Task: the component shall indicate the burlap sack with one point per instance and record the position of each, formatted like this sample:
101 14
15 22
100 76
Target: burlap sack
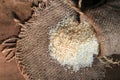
33 57
105 19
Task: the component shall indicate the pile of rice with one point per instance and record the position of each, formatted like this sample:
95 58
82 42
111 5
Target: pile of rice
73 44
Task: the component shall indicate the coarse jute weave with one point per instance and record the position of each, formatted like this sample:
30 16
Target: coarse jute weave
105 19
33 56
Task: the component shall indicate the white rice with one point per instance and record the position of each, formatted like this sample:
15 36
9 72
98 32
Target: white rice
73 44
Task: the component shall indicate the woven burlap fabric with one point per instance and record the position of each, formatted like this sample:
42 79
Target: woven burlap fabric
33 57
105 19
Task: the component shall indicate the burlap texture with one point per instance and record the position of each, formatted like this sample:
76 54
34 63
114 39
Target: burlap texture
33 57
105 19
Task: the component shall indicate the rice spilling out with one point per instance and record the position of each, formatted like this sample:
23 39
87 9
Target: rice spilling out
73 44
